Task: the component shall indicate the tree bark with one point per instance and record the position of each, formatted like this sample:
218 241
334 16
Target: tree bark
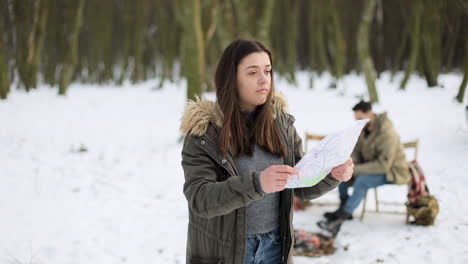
36 43
365 59
462 88
431 41
265 21
336 43
4 81
415 31
71 59
195 56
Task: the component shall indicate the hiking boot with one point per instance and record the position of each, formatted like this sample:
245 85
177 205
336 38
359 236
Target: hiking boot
333 226
330 216
330 228
334 215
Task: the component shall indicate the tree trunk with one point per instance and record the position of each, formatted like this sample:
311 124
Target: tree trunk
365 59
108 56
337 43
127 41
240 12
71 58
37 43
415 31
431 41
378 39
22 14
452 30
265 21
395 35
4 82
284 44
461 90
140 28
317 46
51 48
195 56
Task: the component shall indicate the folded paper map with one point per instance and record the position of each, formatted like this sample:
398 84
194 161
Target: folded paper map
330 152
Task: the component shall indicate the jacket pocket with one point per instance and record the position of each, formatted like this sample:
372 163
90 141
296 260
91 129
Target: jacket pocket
198 260
221 174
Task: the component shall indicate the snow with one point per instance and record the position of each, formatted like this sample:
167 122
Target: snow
95 177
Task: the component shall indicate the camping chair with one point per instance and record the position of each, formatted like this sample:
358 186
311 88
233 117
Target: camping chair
407 145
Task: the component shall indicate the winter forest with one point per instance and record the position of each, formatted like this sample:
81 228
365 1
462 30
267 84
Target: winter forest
58 42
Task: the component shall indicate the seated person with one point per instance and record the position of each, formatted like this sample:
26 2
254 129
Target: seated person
379 159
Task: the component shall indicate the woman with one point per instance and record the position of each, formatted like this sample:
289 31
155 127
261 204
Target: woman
237 157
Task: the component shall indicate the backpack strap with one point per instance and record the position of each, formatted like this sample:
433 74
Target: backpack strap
418 187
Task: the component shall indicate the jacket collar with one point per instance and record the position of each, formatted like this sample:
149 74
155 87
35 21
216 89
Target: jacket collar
200 113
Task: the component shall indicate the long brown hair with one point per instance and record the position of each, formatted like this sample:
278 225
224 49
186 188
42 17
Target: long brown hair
235 136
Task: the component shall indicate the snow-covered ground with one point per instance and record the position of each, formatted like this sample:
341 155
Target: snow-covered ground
95 177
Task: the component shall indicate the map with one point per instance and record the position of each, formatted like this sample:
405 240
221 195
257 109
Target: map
330 152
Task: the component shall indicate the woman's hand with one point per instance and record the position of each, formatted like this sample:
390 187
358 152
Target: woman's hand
275 177
344 172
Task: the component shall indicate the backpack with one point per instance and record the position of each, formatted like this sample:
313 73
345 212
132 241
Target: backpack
422 208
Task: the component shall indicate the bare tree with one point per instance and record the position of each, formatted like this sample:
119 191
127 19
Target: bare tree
71 59
365 59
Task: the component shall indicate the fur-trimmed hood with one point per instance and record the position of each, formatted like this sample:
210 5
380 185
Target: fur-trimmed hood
200 113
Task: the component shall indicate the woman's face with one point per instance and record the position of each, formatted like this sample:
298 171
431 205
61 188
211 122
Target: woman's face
254 80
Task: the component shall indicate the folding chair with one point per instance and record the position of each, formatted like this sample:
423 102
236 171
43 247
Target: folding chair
407 145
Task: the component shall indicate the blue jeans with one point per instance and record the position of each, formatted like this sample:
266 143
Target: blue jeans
361 184
263 248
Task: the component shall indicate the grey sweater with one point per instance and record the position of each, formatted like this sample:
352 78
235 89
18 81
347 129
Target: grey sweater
263 214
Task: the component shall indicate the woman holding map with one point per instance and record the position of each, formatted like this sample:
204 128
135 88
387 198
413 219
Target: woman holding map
238 155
